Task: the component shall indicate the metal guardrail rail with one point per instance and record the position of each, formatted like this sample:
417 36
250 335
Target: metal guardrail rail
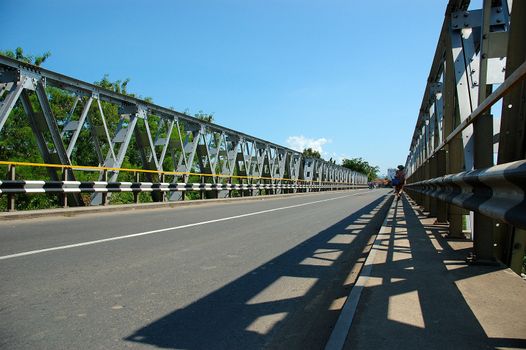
171 144
104 186
497 192
63 188
466 155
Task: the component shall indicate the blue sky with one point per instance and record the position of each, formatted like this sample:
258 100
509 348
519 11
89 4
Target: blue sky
346 77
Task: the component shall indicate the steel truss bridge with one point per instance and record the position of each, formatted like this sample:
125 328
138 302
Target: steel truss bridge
272 274
174 148
468 148
467 154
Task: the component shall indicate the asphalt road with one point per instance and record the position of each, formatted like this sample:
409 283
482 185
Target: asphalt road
252 274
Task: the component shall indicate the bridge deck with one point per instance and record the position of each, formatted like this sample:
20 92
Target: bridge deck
420 293
248 274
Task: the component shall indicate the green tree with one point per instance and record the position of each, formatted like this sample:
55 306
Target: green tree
362 166
311 153
19 55
118 86
18 143
207 117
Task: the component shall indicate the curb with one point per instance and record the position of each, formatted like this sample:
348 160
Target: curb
74 211
343 324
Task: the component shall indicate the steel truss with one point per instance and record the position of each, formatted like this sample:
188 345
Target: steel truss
480 58
167 141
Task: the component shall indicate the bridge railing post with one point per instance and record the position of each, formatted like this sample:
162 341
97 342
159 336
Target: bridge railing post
202 190
11 175
64 195
105 194
433 202
442 208
137 177
163 194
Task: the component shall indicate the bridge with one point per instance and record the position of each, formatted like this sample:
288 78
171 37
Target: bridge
175 232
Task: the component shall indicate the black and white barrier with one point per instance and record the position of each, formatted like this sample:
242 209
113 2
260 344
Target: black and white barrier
18 186
497 192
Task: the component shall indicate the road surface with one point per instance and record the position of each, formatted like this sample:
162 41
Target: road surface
252 274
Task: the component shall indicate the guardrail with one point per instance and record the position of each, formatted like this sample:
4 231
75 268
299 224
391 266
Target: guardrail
497 192
103 186
262 185
461 132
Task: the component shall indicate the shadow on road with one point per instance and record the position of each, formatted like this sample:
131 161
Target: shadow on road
254 312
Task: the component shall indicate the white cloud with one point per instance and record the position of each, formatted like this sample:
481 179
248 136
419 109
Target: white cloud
299 143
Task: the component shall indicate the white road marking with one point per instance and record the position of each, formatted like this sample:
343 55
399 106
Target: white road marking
69 246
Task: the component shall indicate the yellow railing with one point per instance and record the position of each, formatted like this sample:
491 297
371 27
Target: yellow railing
159 172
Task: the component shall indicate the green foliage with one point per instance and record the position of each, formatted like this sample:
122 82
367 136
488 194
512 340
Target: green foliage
207 117
310 153
362 166
19 55
18 143
118 86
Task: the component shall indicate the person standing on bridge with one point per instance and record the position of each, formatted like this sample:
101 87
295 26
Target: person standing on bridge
399 181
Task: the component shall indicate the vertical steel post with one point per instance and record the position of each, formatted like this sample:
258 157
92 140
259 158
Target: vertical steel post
426 175
11 175
433 202
441 160
163 194
483 226
419 198
421 171
512 141
483 145
64 194
455 213
136 198
105 194
454 149
202 191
